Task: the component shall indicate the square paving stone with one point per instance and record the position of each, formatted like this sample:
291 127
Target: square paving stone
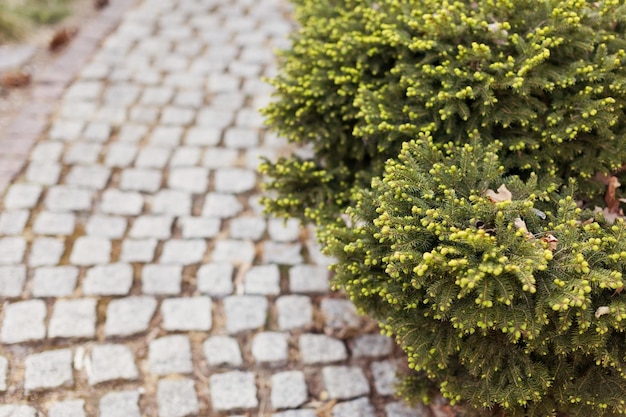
177 398
120 155
187 314
82 153
68 198
138 250
345 382
158 227
12 250
45 251
172 202
199 227
12 280
141 179
94 177
22 196
360 407
216 119
4 372
192 179
13 222
161 279
111 227
122 403
221 206
49 223
233 251
121 203
215 279
110 363
289 389
384 373
222 350
262 279
47 151
70 408
89 250
320 348
371 345
238 137
49 369
17 411
185 157
183 251
128 316
170 355
73 318
294 311
233 390
23 321
166 136
339 313
110 279
220 157
203 136
132 133
245 312
247 228
44 173
309 279
59 281
270 348
281 231
234 180
282 253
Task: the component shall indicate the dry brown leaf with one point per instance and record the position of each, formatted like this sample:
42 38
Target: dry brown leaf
62 37
612 204
14 79
551 241
100 4
601 311
521 225
503 194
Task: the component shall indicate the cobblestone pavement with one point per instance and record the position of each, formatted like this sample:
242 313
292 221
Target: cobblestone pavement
138 275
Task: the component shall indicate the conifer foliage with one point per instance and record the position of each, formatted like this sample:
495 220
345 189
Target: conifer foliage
505 299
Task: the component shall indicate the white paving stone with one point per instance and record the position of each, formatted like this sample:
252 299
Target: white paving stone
183 251
309 279
121 403
215 279
49 369
73 318
270 348
200 227
170 355
4 372
45 251
138 250
221 205
17 411
49 223
247 312
187 314
294 311
91 251
110 279
222 350
69 408
345 382
110 363
158 227
177 398
12 250
320 348
233 251
22 196
128 316
233 390
12 279
13 222
161 279
23 321
289 389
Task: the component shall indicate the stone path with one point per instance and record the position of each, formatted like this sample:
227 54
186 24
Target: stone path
138 275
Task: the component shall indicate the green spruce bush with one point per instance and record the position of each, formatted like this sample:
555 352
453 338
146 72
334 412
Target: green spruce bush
546 78
507 302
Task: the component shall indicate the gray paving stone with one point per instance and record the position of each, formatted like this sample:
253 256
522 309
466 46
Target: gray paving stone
296 413
121 403
128 316
120 155
319 348
172 202
138 250
183 251
82 153
215 279
132 133
228 101
122 94
216 118
262 279
69 408
192 179
45 251
12 250
178 116
22 196
44 173
13 222
111 114
110 279
141 179
193 99
67 198
309 279
246 312
73 318
95 176
166 136
97 132
371 345
233 251
177 398
289 389
199 227
49 223
47 151
90 250
282 253
360 407
58 281
4 372
110 363
345 382
187 314
49 369
270 348
250 118
222 350
17 411
121 203
161 279
247 228
233 390
111 227
66 130
153 157
186 156
221 206
223 83
284 231
158 227
294 311
398 409
384 373
339 313
12 279
170 355
157 95
234 180
203 136
23 321
238 137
